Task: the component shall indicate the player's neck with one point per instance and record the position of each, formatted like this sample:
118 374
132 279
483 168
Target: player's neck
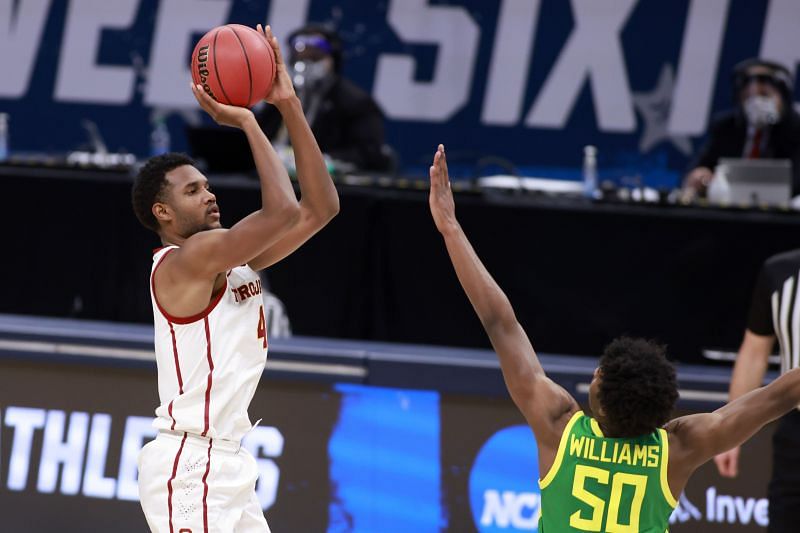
171 240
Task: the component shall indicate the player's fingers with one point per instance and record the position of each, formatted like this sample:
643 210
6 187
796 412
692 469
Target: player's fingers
202 96
273 42
206 102
437 168
443 162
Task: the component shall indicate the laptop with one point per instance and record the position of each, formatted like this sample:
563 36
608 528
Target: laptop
758 182
221 150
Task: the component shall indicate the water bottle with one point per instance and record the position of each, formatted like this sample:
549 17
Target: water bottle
590 171
159 138
719 190
3 136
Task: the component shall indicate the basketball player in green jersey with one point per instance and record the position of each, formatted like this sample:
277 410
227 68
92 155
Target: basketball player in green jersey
621 470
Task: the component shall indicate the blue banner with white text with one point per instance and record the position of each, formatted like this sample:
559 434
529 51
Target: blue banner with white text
515 83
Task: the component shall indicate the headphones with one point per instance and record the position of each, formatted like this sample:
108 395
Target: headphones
779 77
331 41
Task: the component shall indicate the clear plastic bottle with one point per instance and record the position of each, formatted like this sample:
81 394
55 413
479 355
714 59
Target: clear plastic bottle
590 171
159 138
3 136
719 190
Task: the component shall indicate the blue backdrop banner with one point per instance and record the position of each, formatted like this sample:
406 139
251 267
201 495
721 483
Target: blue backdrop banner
527 81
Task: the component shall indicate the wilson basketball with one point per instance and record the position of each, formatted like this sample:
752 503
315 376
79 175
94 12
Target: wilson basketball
234 64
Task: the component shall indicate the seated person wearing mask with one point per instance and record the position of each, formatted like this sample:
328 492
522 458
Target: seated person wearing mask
346 121
763 125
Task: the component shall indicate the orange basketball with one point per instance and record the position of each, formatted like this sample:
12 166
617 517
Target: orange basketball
234 64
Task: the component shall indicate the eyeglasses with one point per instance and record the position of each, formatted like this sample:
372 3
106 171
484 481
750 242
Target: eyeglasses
302 42
760 78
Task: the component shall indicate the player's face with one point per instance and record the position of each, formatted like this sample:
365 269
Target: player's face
190 197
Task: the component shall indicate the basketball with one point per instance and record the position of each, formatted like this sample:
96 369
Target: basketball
234 64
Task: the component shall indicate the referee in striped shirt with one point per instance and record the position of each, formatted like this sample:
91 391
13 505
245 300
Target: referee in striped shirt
774 313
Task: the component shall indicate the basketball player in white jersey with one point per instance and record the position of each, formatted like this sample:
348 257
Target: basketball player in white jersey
210 333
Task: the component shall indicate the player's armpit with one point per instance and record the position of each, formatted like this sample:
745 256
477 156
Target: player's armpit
542 402
547 409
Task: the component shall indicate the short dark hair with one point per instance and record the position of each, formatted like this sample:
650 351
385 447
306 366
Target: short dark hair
149 185
638 387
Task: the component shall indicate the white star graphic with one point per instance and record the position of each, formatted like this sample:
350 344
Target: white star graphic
654 109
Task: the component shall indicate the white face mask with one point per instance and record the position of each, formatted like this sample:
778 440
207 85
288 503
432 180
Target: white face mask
761 111
309 74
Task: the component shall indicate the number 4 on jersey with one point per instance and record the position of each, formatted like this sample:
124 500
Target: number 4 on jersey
262 326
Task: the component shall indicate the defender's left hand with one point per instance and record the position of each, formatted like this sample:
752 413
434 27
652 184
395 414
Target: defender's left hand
441 201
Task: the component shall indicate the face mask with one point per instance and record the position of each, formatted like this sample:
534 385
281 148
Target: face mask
309 75
761 111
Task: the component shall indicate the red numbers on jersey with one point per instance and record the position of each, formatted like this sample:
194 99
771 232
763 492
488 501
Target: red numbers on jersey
262 326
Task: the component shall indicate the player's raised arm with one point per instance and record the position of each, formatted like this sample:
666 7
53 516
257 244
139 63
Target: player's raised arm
700 437
210 252
543 403
748 374
319 201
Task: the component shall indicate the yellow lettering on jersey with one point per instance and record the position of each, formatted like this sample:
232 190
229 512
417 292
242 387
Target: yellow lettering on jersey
603 457
576 445
639 455
592 455
652 456
625 454
616 452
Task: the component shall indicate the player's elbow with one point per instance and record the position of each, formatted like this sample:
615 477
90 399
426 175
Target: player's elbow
333 207
290 214
498 322
319 215
328 210
287 214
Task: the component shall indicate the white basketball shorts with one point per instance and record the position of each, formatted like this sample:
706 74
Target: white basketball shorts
191 484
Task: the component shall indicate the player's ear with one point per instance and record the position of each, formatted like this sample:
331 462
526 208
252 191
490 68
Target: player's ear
162 212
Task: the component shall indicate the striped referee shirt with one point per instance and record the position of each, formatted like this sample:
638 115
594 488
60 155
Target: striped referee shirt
775 309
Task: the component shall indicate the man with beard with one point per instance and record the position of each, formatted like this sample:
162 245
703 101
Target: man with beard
210 331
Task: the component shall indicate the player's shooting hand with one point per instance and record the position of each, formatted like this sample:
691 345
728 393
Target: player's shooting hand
282 87
441 202
223 114
728 463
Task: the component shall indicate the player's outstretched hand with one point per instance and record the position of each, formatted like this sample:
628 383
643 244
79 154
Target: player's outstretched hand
223 114
728 463
282 88
441 202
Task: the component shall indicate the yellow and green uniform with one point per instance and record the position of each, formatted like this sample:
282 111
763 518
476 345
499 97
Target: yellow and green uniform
598 483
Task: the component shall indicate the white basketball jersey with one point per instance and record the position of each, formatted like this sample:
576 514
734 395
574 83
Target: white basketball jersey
209 364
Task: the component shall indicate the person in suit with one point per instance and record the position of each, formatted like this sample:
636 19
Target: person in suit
346 120
763 124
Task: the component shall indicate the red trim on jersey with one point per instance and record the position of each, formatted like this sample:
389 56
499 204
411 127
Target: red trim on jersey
205 488
169 410
210 372
177 361
169 483
215 298
177 371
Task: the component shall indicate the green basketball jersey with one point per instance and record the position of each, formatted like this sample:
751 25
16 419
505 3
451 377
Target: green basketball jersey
603 484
